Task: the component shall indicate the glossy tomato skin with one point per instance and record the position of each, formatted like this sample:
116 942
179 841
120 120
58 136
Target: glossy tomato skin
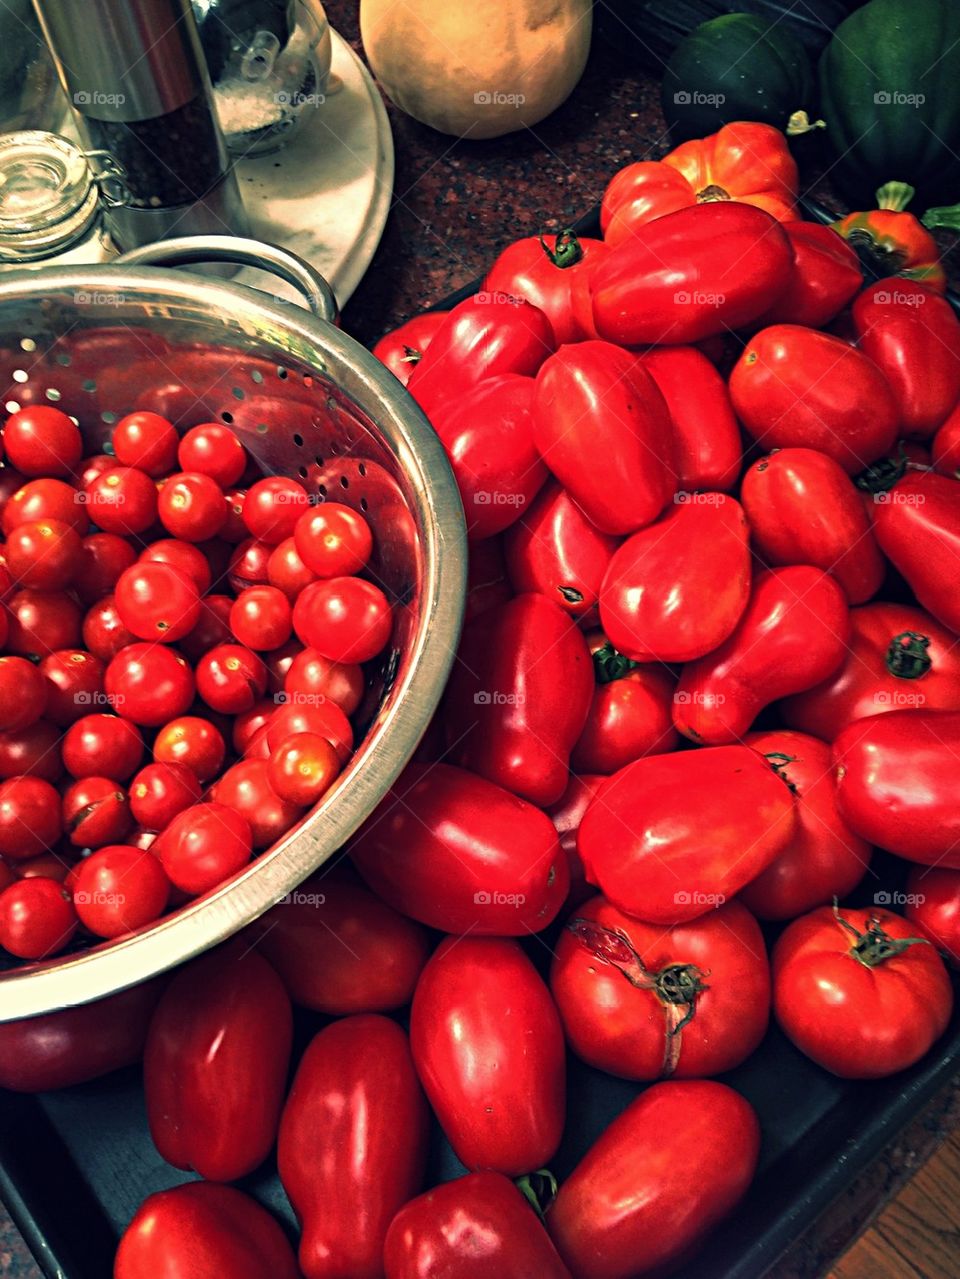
203 1231
341 950
402 349
946 446
803 508
824 859
353 1144
898 657
642 1002
713 819
554 549
792 635
632 1206
518 697
846 411
566 815
676 590
487 582
630 714
488 1047
58 1050
896 784
484 336
705 430
471 1228
552 272
913 335
215 1064
866 1018
458 853
594 400
933 903
826 275
488 435
731 262
917 524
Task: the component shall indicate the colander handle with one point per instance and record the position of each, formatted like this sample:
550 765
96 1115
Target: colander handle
316 292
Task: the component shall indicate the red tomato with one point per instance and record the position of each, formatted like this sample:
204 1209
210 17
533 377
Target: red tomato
272 508
96 812
157 602
353 1144
705 431
203 1231
37 919
339 949
792 636
245 787
261 618
461 854
311 675
203 846
488 435
122 500
333 540
40 440
249 565
103 557
402 349
41 622
287 571
230 678
214 450
310 715
630 714
846 410
103 632
103 745
30 820
677 589
188 559
160 791
803 508
302 769
191 506
33 751
488 1047
946 446
824 859
869 1018
477 1226
667 1170
727 264
147 441
74 681
553 273
215 1064
518 697
566 815
23 693
346 619
896 786
45 500
554 549
917 524
191 741
149 684
933 902
595 401
712 820
644 1003
44 555
826 275
119 889
486 576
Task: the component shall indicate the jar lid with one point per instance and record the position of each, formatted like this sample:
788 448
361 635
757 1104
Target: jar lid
48 195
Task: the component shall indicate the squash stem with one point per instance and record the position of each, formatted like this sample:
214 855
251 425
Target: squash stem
800 123
895 196
948 216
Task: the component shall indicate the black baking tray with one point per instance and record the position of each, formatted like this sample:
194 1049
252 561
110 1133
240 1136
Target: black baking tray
76 1164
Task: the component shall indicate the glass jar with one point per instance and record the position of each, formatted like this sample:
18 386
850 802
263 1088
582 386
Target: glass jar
51 202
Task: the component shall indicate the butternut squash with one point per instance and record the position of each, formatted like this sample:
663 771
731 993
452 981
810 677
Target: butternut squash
477 68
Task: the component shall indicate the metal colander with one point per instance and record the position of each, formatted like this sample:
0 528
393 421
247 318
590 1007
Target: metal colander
307 401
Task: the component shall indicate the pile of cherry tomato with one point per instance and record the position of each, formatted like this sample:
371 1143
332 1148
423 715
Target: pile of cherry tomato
710 663
182 640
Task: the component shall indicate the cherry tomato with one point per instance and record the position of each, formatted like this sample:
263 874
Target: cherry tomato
23 693
103 633
149 684
933 902
30 821
103 557
234 529
41 622
122 500
249 565
311 676
96 811
864 1019
32 751
203 846
44 555
157 602
193 742
630 714
272 508
191 506
287 571
214 450
36 918
160 791
302 768
230 678
346 619
245 787
333 540
147 441
119 889
102 744
642 1002
40 440
261 618
45 500
185 557
212 628
321 717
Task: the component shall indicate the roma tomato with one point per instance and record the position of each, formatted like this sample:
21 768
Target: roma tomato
792 636
896 784
705 431
458 853
553 273
488 1047
642 1002
594 401
518 697
203 1231
933 902
869 1018
728 262
339 949
677 589
484 336
917 524
470 1228
666 1171
353 1144
630 714
946 446
795 387
803 508
897 657
486 577
826 275
215 1065
824 859
554 549
712 820
488 435
402 349
913 336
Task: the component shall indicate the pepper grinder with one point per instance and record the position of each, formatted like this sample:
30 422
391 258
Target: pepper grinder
134 72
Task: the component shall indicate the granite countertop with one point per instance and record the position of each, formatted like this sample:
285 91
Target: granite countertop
456 204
